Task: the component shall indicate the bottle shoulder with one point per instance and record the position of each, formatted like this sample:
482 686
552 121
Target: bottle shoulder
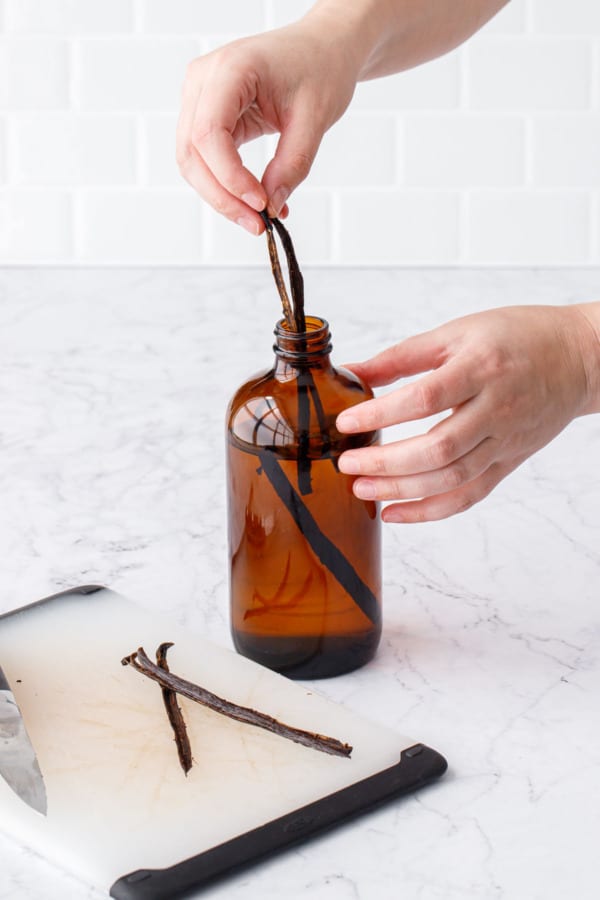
280 406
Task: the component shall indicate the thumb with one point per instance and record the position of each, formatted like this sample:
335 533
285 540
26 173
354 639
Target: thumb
294 156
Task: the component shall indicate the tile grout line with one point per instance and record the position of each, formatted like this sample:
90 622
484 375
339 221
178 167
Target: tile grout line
595 75
268 14
336 230
138 17
141 167
528 152
464 229
11 148
529 18
464 82
594 212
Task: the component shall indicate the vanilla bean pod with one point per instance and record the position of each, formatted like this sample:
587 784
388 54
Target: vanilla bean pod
297 289
296 279
174 714
298 324
277 273
140 662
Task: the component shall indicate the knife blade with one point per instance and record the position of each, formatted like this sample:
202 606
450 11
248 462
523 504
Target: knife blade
18 763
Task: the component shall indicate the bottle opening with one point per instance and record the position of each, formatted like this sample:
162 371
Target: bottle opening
299 345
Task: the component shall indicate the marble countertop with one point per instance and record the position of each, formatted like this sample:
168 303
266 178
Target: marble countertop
113 386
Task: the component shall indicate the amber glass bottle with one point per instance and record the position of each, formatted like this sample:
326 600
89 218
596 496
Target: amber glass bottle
305 557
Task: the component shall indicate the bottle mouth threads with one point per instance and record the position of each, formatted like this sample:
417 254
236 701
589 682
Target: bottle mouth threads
303 345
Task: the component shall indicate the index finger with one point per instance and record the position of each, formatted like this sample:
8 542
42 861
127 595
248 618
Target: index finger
415 354
447 387
217 113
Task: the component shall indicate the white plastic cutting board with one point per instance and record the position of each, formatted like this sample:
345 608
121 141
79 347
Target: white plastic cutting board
117 798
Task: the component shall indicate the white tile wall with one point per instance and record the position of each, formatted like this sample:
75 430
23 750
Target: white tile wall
68 16
62 149
529 227
540 73
489 155
122 226
2 152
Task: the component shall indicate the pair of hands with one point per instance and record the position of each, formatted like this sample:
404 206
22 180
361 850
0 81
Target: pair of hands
511 379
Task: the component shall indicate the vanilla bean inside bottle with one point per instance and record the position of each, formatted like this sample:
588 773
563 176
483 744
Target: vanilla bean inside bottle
305 556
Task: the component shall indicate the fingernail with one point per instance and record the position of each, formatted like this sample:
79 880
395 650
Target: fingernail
254 200
349 463
277 200
346 422
365 490
248 223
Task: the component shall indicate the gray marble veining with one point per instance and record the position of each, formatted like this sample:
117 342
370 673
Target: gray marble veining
113 387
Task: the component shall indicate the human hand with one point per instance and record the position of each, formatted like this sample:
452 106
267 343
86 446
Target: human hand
289 81
513 378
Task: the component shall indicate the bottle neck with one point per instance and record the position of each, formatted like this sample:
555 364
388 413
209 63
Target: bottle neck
306 349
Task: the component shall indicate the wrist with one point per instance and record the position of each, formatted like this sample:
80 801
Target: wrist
357 29
588 328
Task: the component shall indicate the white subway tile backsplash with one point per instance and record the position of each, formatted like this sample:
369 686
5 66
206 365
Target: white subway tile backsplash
464 151
66 149
33 73
560 17
395 227
133 74
488 155
359 150
157 136
540 228
2 152
162 226
230 244
435 85
35 226
193 17
566 151
512 74
596 227
68 16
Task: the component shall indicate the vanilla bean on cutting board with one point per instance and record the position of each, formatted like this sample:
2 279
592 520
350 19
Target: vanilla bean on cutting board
141 663
174 714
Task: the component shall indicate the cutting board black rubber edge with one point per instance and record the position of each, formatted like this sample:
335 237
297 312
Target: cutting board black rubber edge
418 766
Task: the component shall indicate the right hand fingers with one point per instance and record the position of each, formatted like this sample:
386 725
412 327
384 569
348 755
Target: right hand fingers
442 506
445 443
436 392
416 354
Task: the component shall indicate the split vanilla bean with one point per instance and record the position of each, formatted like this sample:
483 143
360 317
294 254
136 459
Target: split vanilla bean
296 279
141 663
294 315
294 311
277 273
174 714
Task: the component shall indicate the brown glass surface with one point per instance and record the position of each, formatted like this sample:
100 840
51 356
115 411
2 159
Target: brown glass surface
301 568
